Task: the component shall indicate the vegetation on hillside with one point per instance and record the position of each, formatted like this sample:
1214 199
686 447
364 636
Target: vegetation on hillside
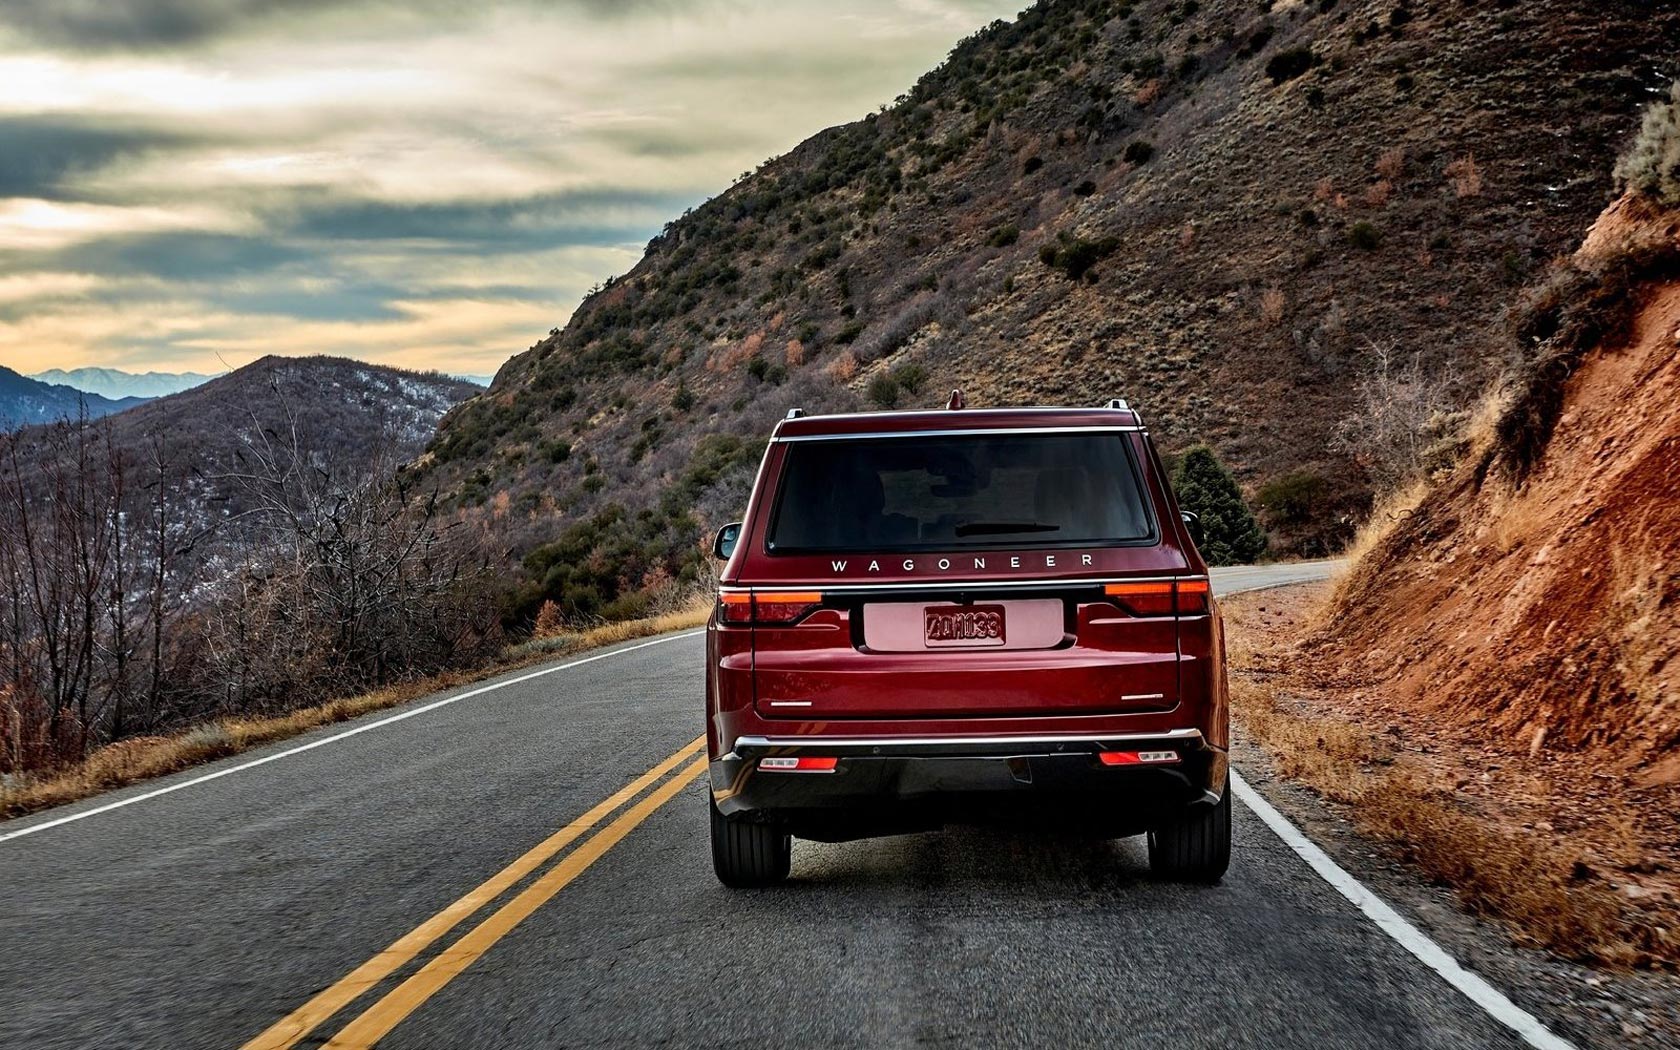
157 570
1227 212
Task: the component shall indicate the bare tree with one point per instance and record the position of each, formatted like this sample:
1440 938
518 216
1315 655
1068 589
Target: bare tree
1400 411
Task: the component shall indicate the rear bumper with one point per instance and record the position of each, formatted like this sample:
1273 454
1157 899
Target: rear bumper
888 785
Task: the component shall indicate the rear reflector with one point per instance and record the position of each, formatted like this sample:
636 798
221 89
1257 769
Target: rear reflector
806 764
1137 758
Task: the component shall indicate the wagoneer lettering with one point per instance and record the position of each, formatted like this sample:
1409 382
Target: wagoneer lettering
964 616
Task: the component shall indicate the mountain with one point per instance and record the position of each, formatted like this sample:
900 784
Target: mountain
25 401
115 383
1231 213
345 411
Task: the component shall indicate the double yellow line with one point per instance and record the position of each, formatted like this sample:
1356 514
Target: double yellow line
373 1023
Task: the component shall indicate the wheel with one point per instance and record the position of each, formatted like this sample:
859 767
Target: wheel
747 854
1197 848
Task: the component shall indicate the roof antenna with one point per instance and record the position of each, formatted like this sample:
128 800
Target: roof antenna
1119 403
956 401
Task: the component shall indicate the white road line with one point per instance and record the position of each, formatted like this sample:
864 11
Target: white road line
333 739
1402 932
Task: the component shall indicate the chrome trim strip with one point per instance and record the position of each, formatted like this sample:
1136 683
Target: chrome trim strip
952 585
1144 696
826 741
790 703
965 432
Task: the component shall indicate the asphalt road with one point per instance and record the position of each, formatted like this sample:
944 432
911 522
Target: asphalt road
209 916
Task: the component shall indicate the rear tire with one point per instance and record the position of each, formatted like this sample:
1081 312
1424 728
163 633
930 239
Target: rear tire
1196 848
747 854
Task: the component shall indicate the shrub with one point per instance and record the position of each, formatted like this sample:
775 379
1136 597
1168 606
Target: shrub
1230 535
912 377
1032 164
1075 256
1364 236
1085 189
883 390
849 333
1004 236
1400 408
1652 165
1291 500
1138 152
1555 328
1287 65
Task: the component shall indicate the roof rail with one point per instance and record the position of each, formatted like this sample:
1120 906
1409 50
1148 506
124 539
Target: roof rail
795 413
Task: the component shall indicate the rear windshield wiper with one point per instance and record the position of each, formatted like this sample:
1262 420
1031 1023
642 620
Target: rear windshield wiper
990 528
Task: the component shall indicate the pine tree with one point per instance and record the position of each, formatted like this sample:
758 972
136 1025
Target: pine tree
1230 535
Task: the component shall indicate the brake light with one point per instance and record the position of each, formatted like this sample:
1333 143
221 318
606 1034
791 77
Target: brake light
1193 597
1160 597
734 607
775 607
784 607
1143 597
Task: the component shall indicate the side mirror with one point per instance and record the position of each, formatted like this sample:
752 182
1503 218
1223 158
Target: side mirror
727 537
1193 522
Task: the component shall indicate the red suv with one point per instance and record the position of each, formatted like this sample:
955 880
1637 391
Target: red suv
964 616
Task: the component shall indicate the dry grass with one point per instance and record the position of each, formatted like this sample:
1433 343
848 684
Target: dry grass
141 758
1530 882
1521 879
1385 517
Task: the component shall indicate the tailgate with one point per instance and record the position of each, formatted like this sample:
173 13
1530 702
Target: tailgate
1059 651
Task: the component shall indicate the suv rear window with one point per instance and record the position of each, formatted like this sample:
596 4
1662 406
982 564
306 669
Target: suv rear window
984 491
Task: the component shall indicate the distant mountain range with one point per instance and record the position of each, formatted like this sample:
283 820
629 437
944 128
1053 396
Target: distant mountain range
25 401
116 384
347 411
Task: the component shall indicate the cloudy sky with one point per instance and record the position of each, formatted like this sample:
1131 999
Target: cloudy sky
191 184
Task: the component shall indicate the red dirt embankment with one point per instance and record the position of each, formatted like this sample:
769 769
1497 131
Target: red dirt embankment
1540 607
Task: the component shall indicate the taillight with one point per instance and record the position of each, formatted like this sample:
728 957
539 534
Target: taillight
784 607
1143 597
1160 597
734 607
1194 597
766 607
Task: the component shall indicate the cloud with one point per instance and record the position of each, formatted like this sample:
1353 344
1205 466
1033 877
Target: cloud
184 182
40 154
105 25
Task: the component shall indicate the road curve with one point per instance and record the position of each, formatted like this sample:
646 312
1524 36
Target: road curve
294 904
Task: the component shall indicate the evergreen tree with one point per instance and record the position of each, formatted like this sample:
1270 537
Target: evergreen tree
1230 535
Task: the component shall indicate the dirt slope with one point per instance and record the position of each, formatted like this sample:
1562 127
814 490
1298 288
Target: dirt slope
1216 209
1543 606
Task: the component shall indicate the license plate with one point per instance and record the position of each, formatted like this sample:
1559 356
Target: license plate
963 626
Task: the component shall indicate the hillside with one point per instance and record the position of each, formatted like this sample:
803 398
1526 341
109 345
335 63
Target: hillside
341 409
345 417
1224 213
1534 593
116 383
25 402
